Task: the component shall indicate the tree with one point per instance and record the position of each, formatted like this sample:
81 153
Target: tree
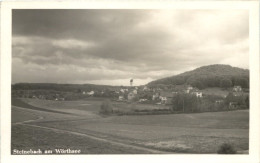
230 98
225 83
106 107
243 82
185 103
247 101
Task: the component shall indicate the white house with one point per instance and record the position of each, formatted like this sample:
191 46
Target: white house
145 88
166 97
237 88
142 100
121 98
198 94
123 90
188 89
91 93
163 99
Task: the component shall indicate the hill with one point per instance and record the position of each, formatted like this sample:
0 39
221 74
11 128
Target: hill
208 76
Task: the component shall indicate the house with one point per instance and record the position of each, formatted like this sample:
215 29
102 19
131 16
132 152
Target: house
135 91
197 93
188 89
237 94
145 88
130 96
155 96
237 88
163 100
91 93
219 101
123 90
142 100
166 97
233 105
121 97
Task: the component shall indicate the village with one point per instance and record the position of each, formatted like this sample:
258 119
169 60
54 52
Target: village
154 95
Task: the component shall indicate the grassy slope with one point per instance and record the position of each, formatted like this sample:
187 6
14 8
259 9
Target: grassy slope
187 133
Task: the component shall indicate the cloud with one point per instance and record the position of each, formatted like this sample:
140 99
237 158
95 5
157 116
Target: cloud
111 46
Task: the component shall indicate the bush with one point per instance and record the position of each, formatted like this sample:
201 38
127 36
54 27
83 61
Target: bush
106 107
226 149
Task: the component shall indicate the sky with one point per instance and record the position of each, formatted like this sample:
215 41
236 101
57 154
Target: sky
110 47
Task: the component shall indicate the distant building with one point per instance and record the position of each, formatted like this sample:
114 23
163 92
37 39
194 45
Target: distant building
142 100
166 97
237 93
237 88
130 96
219 101
121 98
145 88
123 90
175 93
163 100
233 105
155 96
197 93
91 93
188 89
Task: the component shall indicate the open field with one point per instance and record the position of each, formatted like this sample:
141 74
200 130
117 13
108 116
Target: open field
37 138
181 133
215 91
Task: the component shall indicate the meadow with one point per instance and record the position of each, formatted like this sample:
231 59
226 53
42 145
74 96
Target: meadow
174 133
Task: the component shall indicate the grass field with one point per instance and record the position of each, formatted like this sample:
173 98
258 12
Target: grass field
181 133
35 138
215 91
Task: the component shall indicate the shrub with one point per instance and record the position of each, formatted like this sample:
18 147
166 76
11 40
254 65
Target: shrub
226 148
106 107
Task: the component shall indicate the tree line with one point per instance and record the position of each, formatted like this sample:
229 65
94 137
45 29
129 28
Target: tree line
190 103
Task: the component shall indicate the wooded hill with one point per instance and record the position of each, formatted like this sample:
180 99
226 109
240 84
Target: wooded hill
208 76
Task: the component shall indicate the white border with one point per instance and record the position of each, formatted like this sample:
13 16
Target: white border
252 6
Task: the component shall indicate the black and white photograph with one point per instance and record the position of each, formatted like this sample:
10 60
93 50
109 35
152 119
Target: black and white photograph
130 81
